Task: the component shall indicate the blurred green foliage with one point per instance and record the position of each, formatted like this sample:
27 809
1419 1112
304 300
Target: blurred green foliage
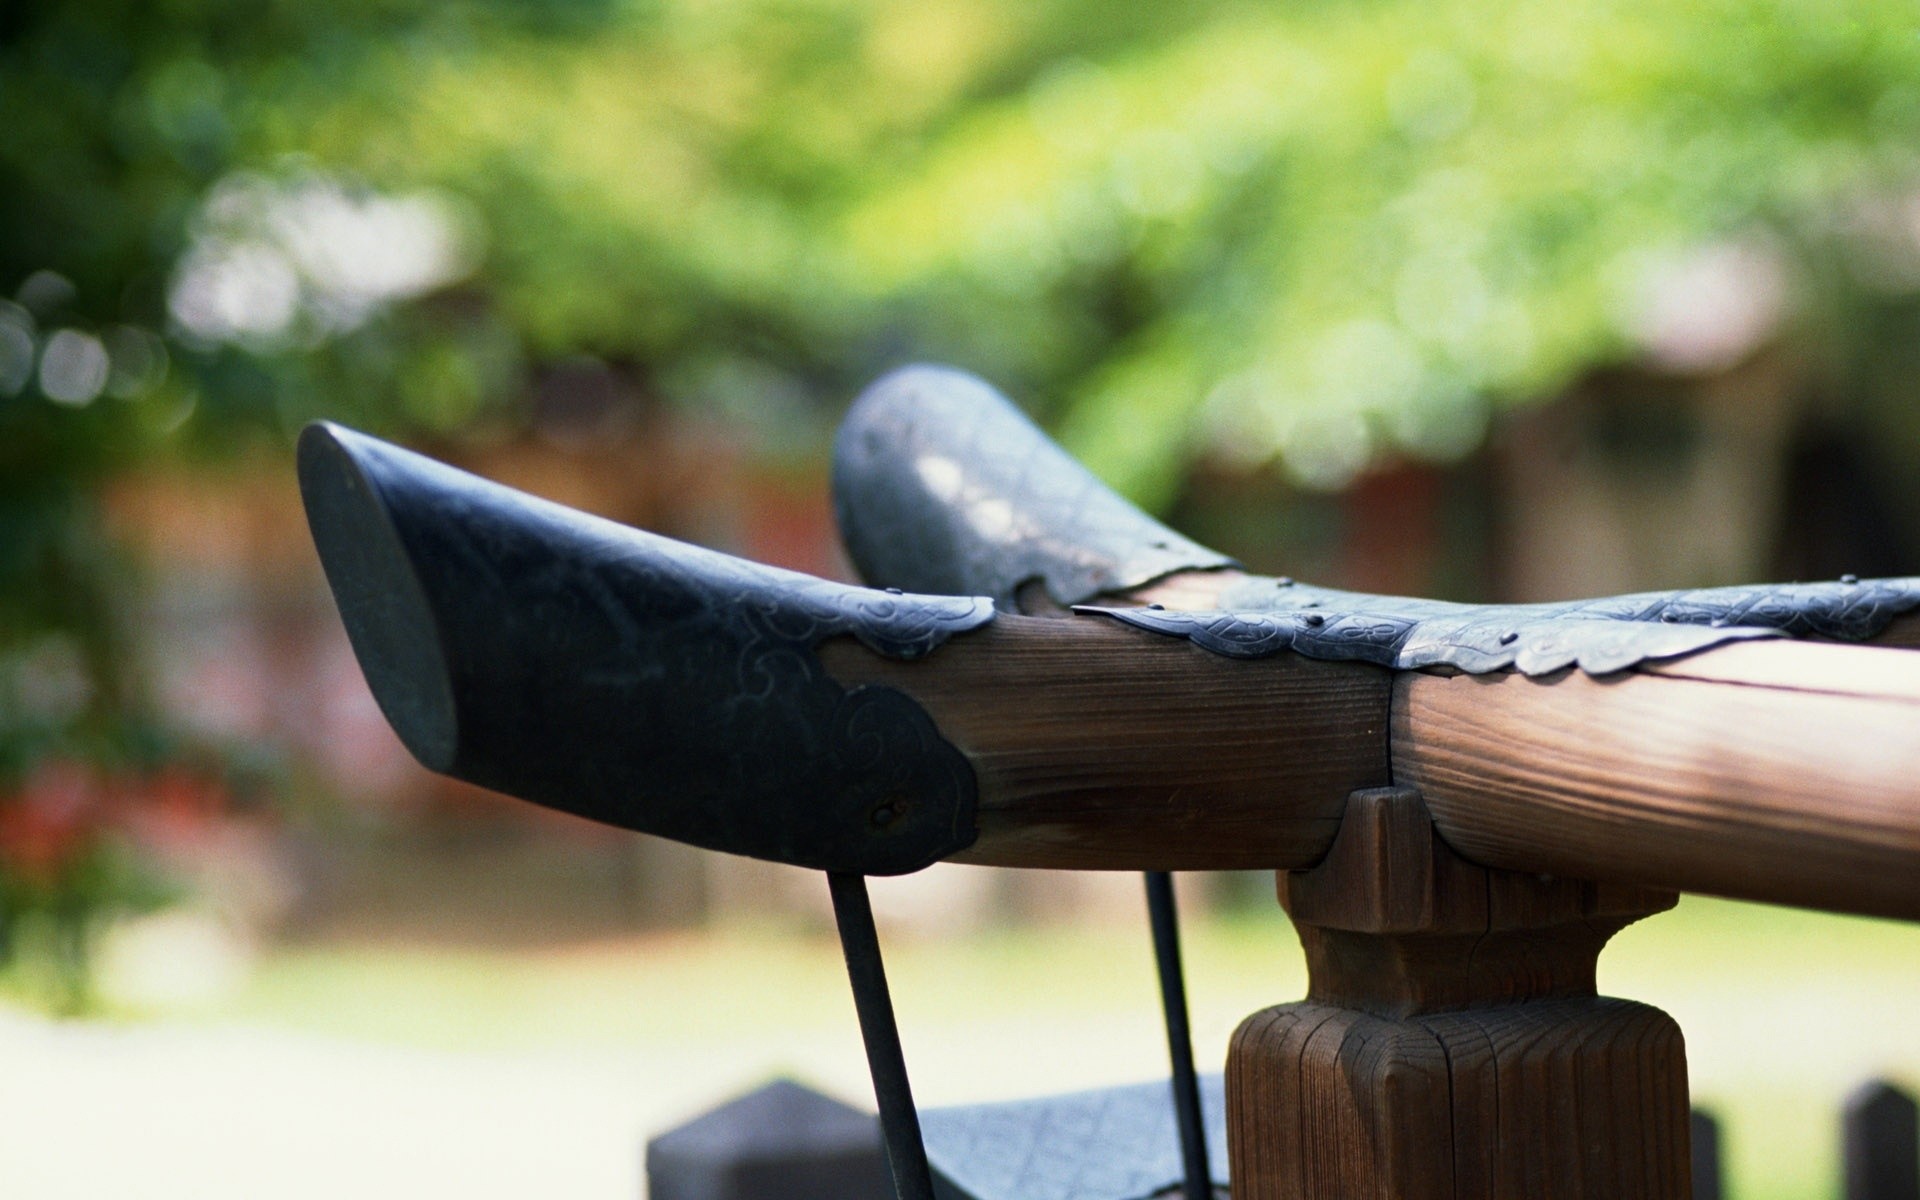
1316 233
1323 231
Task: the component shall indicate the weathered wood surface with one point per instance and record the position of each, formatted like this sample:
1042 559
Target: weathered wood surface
1775 771
1451 1045
1394 922
1098 746
1778 771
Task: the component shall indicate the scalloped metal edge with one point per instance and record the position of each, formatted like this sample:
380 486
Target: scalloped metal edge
1600 636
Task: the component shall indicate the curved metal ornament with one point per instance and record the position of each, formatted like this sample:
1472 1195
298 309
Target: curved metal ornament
941 485
630 678
1264 616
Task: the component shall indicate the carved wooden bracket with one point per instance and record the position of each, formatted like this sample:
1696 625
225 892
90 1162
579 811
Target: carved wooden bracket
1452 1044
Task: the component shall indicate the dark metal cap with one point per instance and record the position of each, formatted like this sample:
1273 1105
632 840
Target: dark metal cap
941 485
630 678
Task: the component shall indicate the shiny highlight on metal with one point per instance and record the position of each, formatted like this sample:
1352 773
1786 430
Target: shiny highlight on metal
941 485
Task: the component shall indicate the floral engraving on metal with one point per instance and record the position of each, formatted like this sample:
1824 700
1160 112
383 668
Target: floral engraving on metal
630 678
941 485
1117 1143
1259 617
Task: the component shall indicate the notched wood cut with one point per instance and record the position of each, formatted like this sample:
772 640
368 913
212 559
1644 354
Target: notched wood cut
1452 1044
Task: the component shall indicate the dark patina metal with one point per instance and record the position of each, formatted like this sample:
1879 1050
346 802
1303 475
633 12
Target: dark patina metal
886 1062
941 485
1264 616
1113 1144
1163 915
630 678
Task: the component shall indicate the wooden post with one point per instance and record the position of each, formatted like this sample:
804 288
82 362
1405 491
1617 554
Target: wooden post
1451 1044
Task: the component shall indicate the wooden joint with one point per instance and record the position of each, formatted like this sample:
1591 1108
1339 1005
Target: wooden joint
1452 1045
1395 923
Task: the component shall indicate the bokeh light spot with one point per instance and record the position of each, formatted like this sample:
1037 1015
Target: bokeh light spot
73 368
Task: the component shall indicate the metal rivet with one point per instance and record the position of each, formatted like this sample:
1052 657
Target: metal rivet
1849 579
885 815
1284 581
1159 545
895 592
1670 618
1316 620
1508 639
1157 607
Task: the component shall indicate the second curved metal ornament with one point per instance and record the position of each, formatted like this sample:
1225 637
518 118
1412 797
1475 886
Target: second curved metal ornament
942 485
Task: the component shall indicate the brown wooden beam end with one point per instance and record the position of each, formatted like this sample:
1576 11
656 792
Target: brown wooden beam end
1101 747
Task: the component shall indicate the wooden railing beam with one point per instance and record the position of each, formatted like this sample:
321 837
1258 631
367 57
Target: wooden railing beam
1775 771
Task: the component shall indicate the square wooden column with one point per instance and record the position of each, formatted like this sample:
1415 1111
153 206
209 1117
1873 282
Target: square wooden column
1451 1044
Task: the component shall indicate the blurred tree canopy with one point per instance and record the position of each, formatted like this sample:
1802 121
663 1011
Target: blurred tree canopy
1321 232
1312 234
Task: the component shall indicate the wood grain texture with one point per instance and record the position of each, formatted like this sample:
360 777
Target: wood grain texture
1451 1045
1395 923
1579 1097
1097 746
1781 772
1327 1101
1824 667
1196 591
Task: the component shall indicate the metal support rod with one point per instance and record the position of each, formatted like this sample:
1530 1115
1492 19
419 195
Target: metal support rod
899 1120
1198 1183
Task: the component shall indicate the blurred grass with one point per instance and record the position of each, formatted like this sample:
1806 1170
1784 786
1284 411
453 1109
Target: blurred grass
1784 1011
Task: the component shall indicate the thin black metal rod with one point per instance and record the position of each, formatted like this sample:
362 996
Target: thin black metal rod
1161 913
899 1120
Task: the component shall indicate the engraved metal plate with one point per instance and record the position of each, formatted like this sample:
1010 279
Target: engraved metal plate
1113 1144
630 678
1258 617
